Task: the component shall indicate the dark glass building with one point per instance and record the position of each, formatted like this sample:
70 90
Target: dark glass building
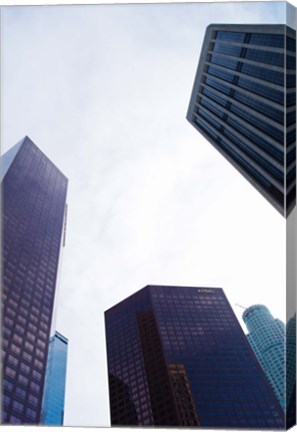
244 103
34 200
55 381
177 356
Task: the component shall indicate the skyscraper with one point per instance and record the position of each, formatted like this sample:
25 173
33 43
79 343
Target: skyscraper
243 102
55 381
34 199
267 339
177 356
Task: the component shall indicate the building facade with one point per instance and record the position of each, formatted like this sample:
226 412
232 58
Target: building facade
55 381
34 199
177 356
267 339
243 102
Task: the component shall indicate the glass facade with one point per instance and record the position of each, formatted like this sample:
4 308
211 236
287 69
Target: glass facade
34 197
55 381
267 338
180 358
243 102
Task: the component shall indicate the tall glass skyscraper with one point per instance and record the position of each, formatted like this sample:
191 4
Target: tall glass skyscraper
177 356
244 103
34 199
267 338
55 381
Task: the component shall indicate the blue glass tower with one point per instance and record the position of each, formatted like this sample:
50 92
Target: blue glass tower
177 356
267 338
33 220
243 102
55 381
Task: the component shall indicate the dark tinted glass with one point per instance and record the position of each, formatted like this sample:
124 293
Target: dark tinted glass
34 194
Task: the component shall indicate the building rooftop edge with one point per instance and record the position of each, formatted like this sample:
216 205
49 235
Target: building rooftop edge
255 306
27 138
161 286
260 28
64 338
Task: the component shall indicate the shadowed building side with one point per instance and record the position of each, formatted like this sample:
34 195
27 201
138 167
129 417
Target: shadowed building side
122 408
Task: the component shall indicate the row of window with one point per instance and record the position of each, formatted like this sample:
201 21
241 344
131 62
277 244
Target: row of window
265 74
262 161
18 407
29 297
24 212
25 307
262 39
10 372
215 296
259 56
243 127
31 318
30 259
240 81
246 166
247 99
44 203
29 164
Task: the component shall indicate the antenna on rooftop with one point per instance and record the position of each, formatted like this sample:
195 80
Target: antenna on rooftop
242 307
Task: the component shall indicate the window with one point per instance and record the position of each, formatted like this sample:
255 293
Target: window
32 328
8 321
38 364
10 372
39 353
21 320
17 338
36 375
42 334
31 413
230 36
27 357
19 329
18 406
22 379
7 385
33 400
12 360
40 344
28 346
31 337
20 392
33 318
25 368
15 420
15 349
35 386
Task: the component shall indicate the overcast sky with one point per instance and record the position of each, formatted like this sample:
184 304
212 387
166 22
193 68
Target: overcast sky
103 91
